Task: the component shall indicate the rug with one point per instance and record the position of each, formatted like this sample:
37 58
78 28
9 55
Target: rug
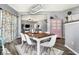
23 50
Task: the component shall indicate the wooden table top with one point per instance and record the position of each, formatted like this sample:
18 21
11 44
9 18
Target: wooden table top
38 35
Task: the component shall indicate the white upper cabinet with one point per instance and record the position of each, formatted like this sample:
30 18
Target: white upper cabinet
73 17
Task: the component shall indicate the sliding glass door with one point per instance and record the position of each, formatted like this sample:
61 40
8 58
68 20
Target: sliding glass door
6 21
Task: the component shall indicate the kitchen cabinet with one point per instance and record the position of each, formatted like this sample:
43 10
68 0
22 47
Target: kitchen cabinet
72 36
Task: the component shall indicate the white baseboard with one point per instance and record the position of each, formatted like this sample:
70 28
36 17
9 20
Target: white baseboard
72 50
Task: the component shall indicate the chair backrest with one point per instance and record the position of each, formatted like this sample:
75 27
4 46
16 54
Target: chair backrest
23 37
53 40
28 39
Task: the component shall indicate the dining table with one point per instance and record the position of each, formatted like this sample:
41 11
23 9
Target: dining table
38 37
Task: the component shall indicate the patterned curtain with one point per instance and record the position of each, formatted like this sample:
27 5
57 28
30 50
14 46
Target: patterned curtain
0 24
9 23
14 27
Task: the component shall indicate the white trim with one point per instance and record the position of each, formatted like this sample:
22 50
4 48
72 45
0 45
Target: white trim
72 50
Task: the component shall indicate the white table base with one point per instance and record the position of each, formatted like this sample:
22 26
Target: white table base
38 47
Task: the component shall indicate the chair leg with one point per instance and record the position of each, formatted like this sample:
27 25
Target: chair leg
33 47
49 50
30 47
27 49
44 49
53 51
22 45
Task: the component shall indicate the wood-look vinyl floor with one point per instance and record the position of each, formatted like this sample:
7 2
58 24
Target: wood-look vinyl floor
59 44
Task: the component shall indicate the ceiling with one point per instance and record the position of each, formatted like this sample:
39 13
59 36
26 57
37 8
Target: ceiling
21 7
45 7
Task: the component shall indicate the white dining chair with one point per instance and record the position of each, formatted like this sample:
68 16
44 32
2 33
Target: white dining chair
28 39
23 39
50 44
29 42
